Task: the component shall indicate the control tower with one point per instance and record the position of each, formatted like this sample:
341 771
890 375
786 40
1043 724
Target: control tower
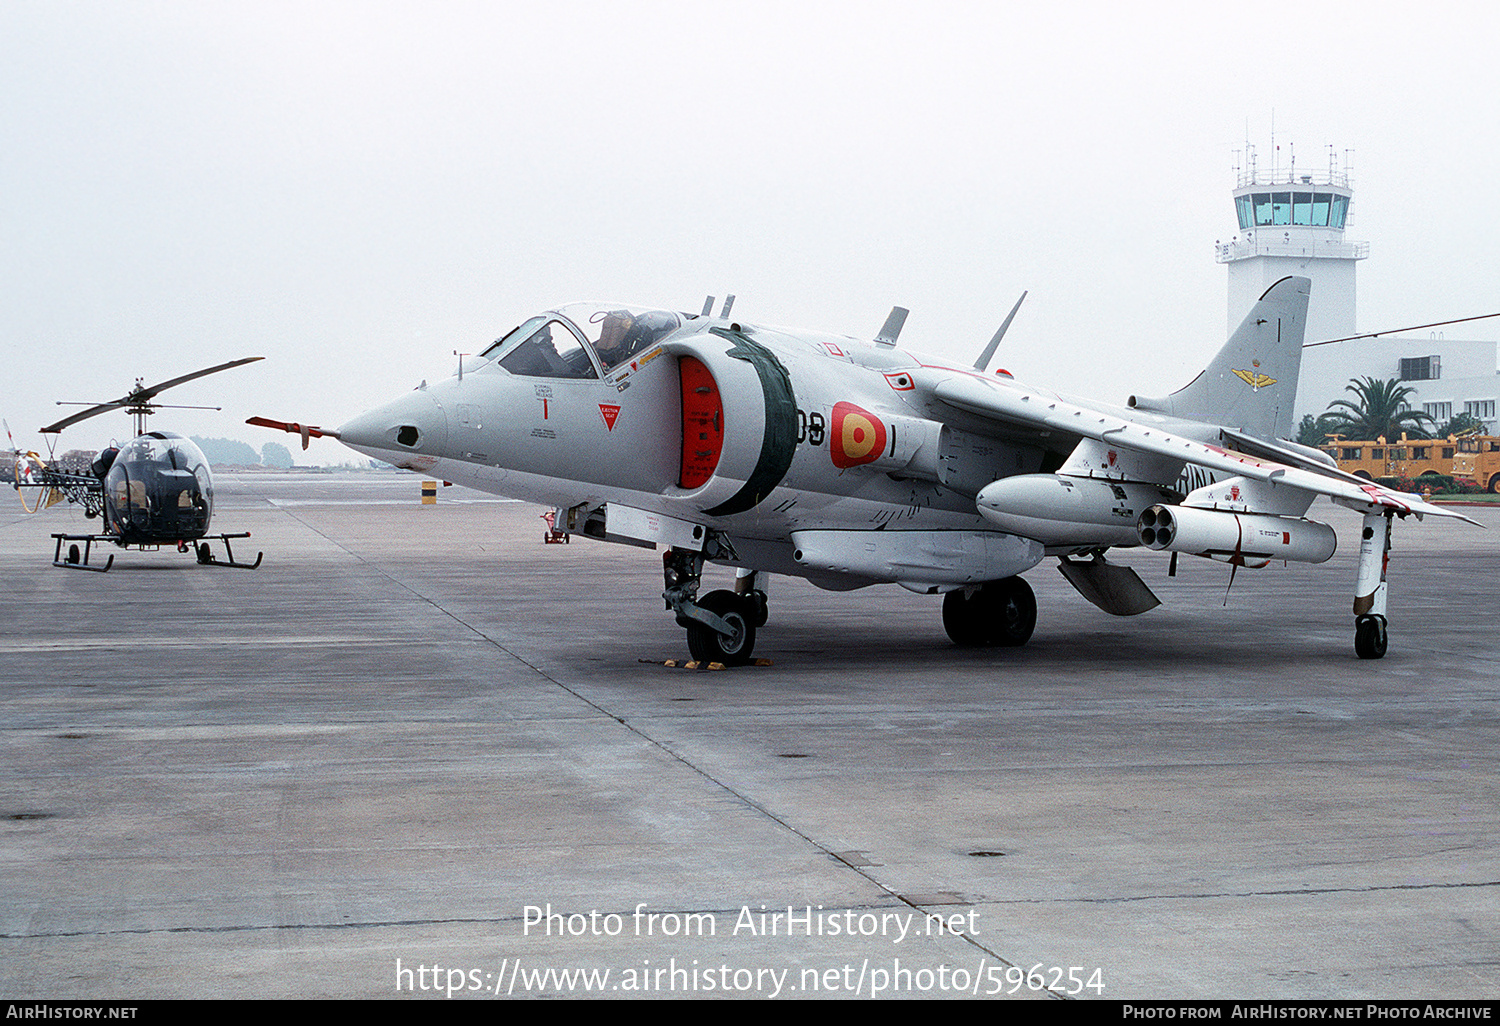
1292 222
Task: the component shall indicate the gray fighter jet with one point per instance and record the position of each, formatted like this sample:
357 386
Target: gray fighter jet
852 462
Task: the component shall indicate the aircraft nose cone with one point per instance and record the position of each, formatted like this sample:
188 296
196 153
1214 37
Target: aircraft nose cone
413 424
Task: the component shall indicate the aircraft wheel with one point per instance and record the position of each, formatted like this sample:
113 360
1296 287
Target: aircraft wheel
759 608
1016 609
998 613
205 554
1369 637
708 645
960 619
74 556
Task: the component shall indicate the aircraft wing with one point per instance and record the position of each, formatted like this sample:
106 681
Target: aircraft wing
1274 464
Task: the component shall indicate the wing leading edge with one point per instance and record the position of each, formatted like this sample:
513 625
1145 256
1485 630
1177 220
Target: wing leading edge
1016 407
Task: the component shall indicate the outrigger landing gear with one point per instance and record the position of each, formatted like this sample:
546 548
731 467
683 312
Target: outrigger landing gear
1370 587
720 627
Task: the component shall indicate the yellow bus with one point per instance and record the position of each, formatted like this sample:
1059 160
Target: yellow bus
1475 457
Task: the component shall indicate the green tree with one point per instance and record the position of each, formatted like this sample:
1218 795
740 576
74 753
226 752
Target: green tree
1314 431
1379 409
1461 423
274 454
227 451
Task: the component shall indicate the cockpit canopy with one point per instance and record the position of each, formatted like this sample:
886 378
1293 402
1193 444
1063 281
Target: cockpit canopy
581 340
158 486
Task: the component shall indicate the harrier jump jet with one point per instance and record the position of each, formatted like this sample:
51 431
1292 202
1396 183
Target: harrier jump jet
852 462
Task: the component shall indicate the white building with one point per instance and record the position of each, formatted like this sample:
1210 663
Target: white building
1292 221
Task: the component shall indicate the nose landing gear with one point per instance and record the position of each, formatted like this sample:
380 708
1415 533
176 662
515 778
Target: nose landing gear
721 627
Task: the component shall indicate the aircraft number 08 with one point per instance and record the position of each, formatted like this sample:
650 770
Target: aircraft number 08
810 427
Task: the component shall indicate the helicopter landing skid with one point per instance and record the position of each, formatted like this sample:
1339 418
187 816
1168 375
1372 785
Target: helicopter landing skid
76 559
206 554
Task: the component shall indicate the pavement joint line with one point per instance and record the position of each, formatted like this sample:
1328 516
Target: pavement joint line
780 821
377 924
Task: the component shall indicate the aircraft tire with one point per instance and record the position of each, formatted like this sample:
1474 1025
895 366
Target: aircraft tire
1014 616
759 608
998 614
1370 637
960 619
709 646
74 556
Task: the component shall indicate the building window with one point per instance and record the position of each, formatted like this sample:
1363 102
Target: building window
1315 209
1421 368
1245 211
1484 409
1441 413
1339 213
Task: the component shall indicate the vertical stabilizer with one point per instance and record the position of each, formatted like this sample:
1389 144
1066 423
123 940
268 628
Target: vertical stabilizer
1251 385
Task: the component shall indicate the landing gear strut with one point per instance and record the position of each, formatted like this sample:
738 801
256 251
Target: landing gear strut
720 627
1370 587
996 613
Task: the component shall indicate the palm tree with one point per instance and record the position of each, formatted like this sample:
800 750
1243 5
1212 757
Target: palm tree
1380 410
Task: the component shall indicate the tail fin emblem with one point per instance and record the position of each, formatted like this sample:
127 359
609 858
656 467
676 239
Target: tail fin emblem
1255 379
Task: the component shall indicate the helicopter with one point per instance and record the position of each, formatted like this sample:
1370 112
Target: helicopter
152 491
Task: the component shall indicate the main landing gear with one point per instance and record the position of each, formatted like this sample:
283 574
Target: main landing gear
721 626
994 614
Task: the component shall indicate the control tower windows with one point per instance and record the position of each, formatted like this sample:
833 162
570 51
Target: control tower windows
1313 209
1336 214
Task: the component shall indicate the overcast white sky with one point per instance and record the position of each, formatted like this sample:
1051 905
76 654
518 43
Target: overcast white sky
356 189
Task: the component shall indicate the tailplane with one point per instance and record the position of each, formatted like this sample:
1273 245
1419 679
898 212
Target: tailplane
1251 385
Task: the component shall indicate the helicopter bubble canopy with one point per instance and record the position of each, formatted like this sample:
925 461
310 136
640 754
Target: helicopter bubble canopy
158 490
581 340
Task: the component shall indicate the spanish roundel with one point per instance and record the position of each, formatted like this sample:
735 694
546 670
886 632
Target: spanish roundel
858 436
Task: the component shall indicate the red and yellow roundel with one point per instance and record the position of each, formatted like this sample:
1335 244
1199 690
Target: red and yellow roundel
858 436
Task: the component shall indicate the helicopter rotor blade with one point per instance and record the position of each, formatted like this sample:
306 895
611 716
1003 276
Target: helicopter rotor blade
140 396
93 411
150 391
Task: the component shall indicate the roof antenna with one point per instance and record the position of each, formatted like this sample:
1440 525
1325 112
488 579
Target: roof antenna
989 350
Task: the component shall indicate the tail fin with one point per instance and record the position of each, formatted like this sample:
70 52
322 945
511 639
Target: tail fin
1251 385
